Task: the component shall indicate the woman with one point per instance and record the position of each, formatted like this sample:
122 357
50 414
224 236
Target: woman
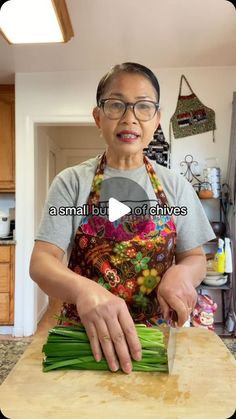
132 260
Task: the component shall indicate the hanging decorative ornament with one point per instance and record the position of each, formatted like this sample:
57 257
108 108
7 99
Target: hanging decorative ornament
189 173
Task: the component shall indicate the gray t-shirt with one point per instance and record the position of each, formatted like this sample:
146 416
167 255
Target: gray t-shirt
71 188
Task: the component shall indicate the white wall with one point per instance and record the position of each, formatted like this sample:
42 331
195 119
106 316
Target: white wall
41 157
69 98
214 87
41 187
71 137
76 143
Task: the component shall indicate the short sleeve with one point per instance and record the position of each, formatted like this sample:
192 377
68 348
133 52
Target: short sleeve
193 229
54 228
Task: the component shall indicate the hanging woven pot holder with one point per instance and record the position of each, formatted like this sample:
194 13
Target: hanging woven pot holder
191 116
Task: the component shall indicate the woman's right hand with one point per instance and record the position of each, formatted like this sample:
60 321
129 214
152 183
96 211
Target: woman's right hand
105 317
109 326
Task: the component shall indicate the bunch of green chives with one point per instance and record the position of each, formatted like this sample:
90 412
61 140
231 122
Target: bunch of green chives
68 347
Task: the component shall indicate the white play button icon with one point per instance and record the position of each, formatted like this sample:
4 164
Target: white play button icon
117 209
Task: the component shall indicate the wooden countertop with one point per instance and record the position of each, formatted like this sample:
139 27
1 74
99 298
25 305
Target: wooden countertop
202 385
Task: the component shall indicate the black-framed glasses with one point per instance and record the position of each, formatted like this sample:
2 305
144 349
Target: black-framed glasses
144 110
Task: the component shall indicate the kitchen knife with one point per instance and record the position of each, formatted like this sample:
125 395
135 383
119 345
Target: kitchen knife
171 346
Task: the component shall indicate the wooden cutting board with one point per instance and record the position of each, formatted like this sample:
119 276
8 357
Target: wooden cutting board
202 385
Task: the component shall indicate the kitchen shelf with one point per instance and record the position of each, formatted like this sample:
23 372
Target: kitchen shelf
217 287
220 328
208 199
222 332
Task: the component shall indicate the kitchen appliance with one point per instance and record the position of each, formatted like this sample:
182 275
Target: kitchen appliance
12 226
4 224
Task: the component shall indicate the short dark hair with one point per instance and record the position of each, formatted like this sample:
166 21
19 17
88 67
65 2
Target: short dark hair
134 68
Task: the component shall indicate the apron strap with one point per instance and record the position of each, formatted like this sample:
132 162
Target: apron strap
99 174
170 143
186 81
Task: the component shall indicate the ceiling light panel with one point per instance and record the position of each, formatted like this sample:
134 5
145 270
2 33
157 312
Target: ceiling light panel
30 21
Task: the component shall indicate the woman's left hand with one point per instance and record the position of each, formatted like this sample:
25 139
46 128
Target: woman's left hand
176 292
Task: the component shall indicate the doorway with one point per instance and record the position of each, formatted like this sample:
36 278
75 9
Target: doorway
58 147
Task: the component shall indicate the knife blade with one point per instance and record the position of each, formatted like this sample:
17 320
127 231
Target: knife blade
171 346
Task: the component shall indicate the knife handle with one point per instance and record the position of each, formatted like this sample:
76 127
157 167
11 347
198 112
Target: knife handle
174 317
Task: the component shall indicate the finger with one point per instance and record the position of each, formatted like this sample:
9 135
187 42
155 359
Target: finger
94 341
191 303
182 312
107 345
189 310
120 344
130 333
180 308
165 308
194 300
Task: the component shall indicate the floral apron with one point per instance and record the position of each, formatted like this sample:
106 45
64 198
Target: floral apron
128 258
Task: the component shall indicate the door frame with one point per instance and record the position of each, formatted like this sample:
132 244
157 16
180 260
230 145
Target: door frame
25 310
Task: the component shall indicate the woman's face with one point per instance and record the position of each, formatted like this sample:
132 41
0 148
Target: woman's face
127 135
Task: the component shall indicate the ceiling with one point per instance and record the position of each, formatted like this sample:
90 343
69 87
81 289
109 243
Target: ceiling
157 33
